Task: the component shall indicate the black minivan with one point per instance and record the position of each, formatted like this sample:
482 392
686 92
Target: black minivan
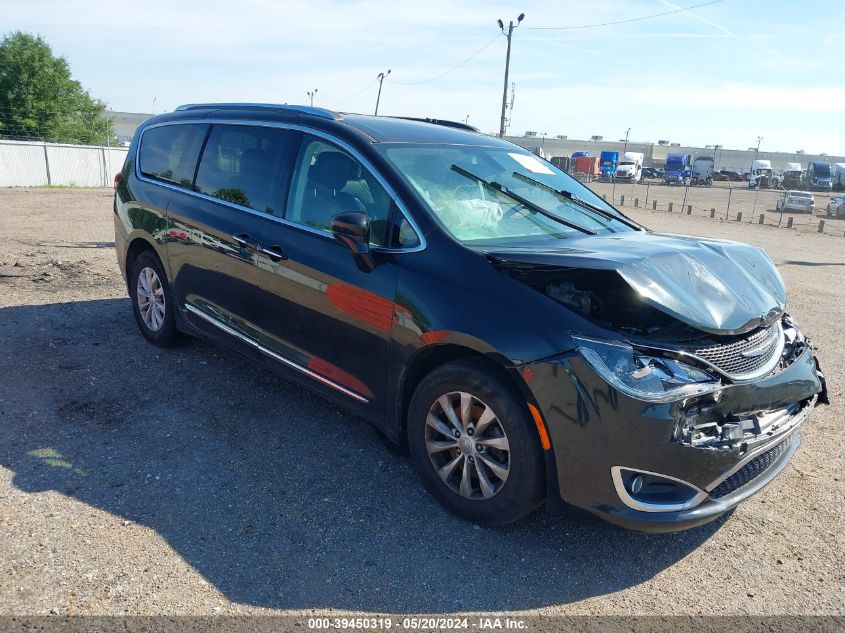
527 341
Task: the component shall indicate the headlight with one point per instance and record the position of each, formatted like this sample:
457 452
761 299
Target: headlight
642 376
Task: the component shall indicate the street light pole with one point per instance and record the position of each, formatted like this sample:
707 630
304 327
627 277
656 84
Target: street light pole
311 94
381 77
507 70
625 149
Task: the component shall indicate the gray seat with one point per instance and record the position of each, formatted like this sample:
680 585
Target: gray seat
324 196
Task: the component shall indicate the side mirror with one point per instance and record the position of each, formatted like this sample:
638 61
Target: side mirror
352 229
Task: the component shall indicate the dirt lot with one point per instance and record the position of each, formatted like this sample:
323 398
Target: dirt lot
727 199
186 481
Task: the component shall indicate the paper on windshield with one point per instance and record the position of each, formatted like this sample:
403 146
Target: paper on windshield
532 164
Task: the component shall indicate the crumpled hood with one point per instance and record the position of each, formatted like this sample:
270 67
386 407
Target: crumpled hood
717 286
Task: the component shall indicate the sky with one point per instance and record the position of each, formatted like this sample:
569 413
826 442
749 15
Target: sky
723 74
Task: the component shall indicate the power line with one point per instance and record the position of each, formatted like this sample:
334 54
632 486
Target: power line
357 94
639 19
454 68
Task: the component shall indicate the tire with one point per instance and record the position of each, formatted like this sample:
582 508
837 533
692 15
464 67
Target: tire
492 500
158 326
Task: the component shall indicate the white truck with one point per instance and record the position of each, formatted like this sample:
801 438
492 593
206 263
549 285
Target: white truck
630 168
761 174
702 171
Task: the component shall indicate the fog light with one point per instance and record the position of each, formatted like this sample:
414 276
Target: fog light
653 492
636 484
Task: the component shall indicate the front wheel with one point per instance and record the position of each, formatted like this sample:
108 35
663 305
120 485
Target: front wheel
474 444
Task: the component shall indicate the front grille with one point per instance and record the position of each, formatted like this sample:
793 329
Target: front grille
751 470
744 355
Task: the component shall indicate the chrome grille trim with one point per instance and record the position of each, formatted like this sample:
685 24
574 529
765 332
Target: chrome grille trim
728 359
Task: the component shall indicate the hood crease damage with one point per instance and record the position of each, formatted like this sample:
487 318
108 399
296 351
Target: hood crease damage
715 286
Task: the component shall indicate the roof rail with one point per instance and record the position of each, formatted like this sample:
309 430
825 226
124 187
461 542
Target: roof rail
319 112
444 122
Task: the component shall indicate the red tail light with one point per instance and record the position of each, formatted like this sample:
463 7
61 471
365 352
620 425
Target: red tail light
116 179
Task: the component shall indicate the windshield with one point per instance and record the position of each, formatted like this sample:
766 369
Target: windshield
501 195
822 170
627 162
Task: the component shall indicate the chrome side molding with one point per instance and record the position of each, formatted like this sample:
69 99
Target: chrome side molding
274 355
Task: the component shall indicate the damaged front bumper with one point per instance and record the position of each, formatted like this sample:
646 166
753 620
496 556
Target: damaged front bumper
667 466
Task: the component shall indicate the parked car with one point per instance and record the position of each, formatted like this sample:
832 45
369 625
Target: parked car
652 172
528 342
801 201
728 174
835 206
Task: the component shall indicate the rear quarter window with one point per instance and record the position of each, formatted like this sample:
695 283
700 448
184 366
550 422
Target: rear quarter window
170 152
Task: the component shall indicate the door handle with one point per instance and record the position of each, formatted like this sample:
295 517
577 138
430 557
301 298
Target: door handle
273 251
245 241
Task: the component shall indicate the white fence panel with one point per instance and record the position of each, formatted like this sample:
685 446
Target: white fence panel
22 165
27 164
76 166
114 163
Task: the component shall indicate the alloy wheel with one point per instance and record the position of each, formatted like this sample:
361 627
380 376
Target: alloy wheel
150 297
467 445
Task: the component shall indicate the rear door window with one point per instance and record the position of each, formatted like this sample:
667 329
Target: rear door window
248 165
170 152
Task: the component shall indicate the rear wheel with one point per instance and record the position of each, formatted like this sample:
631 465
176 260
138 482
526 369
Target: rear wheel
474 444
152 302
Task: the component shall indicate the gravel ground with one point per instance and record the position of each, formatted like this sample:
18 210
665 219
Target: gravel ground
727 199
186 481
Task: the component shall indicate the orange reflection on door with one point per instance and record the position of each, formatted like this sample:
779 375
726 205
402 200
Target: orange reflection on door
362 305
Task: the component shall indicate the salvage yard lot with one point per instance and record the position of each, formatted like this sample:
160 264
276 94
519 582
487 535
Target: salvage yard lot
727 199
188 481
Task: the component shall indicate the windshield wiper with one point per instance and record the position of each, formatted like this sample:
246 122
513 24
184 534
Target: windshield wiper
495 186
579 201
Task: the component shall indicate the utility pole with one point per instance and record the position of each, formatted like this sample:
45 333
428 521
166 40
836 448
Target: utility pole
625 149
507 69
311 94
716 148
380 77
757 187
756 152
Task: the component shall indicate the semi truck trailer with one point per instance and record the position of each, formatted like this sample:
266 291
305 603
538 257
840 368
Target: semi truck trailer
631 167
677 169
608 162
818 177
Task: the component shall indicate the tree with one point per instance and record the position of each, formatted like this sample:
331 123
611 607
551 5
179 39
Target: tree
39 99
